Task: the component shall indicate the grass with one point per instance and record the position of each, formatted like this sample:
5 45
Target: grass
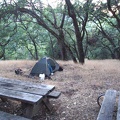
80 85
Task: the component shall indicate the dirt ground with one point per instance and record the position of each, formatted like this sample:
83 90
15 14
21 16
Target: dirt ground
80 86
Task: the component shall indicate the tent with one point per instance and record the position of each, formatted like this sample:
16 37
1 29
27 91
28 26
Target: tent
44 65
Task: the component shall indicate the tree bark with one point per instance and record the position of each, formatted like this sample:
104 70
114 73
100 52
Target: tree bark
77 32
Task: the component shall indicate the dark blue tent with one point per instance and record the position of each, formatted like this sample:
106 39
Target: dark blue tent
45 65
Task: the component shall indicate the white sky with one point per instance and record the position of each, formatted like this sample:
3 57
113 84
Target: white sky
53 2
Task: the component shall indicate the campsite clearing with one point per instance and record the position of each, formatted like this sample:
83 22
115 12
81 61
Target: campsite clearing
80 86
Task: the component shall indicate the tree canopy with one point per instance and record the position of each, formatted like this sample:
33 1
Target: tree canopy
70 31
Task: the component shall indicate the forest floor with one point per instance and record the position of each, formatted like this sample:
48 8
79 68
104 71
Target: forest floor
80 86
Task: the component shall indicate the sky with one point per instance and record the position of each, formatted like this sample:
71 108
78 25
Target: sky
53 2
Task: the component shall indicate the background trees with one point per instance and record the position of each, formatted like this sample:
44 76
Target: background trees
30 30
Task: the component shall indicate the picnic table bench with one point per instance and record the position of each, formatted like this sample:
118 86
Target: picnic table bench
31 95
8 116
108 106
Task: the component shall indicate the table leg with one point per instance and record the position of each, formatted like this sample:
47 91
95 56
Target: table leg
3 99
30 110
47 103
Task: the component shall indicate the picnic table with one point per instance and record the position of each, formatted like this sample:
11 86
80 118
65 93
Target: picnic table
31 95
107 108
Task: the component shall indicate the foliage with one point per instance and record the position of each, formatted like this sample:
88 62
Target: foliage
23 36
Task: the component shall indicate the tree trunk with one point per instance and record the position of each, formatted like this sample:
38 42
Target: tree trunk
77 32
71 53
62 45
52 48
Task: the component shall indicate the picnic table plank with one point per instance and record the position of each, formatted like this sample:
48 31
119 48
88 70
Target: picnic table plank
107 108
54 94
118 111
28 83
22 88
8 116
21 96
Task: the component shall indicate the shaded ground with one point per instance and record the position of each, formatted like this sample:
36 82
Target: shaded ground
80 86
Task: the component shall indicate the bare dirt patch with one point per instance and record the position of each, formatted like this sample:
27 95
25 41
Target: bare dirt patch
80 86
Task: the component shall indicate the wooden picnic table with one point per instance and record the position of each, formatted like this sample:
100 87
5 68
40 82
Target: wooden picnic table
31 95
110 107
